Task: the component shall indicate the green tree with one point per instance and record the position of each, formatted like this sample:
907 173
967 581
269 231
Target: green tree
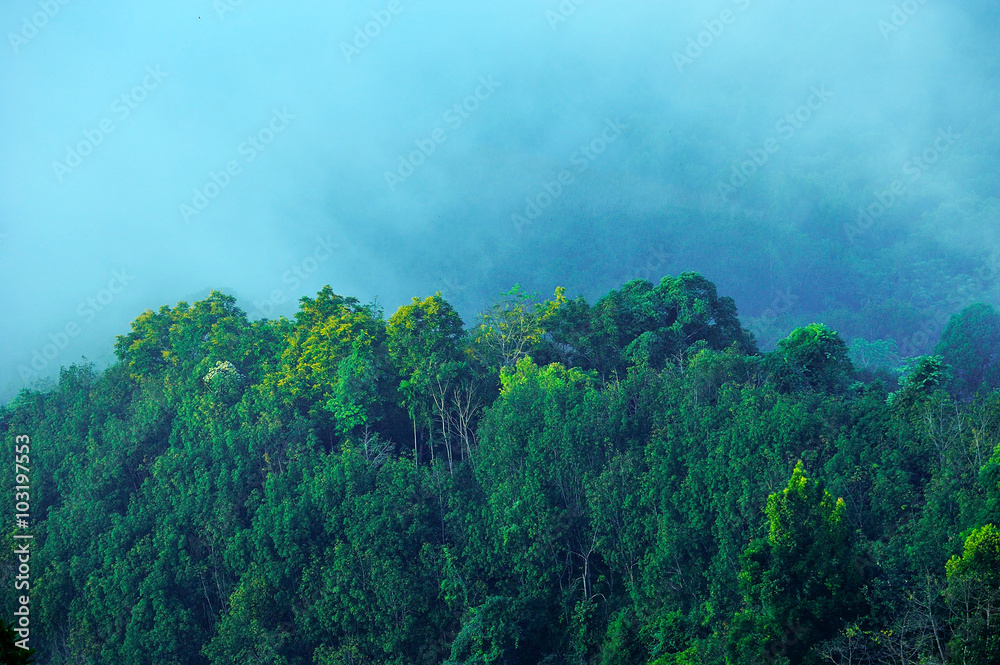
656 325
235 491
539 443
873 354
10 653
327 330
508 330
970 344
974 598
801 584
812 358
924 374
426 344
354 398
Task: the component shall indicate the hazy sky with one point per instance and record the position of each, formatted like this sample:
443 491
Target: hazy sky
153 152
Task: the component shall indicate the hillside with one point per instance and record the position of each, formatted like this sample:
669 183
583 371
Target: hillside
627 482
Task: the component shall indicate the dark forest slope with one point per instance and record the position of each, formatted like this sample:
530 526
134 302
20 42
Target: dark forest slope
627 482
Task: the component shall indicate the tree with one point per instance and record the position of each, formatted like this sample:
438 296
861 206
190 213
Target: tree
146 348
974 598
921 377
10 653
508 329
570 337
658 325
225 381
989 478
539 443
354 396
875 360
970 344
425 342
185 509
801 584
189 341
327 330
498 632
811 358
924 375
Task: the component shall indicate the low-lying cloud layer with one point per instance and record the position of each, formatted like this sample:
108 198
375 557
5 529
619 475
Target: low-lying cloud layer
397 148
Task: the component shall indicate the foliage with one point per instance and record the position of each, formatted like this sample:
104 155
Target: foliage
10 653
969 345
508 329
802 584
562 482
974 596
812 358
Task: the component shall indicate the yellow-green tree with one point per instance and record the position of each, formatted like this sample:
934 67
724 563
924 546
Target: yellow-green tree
509 329
327 330
974 598
802 583
425 342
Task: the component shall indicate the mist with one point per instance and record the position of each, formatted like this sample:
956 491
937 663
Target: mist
817 161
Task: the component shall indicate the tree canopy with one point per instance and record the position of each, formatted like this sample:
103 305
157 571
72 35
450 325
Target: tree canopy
627 482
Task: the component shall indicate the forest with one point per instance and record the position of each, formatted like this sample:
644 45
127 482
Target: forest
627 482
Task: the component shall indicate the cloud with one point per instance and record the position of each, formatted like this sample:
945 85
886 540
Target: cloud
447 224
